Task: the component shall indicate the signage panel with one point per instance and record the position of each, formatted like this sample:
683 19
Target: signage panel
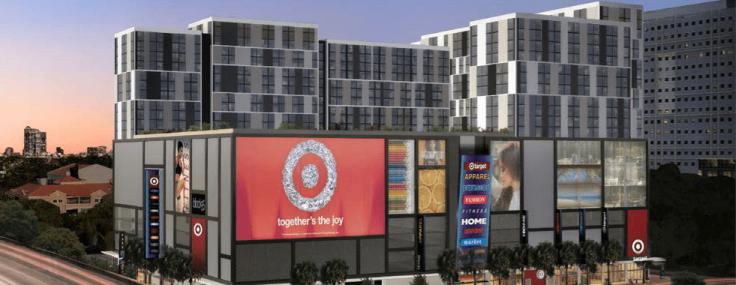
474 209
153 213
199 204
199 243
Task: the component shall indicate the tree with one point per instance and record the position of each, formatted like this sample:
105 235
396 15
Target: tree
610 254
61 241
447 266
96 225
686 278
304 272
49 215
419 279
499 262
544 258
567 255
334 272
17 224
521 257
470 263
588 257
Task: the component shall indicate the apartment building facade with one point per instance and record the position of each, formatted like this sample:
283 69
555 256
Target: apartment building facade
34 142
158 75
370 86
572 72
688 87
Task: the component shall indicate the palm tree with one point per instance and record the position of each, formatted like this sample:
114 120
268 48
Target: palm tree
588 258
499 262
610 254
544 258
567 254
334 272
304 272
447 266
522 257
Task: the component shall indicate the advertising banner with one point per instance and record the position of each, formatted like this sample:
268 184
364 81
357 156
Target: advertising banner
581 225
153 213
474 209
604 227
421 244
506 176
291 188
524 228
579 170
637 233
199 243
121 253
401 176
558 226
199 204
182 175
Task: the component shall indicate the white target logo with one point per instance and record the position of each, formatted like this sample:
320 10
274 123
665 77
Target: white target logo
637 246
540 274
198 229
309 176
153 181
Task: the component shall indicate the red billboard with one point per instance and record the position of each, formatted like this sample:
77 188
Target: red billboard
637 233
199 243
291 188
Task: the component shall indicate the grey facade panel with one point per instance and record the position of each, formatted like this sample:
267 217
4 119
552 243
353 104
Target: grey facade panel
169 234
593 234
617 217
536 238
539 181
183 228
225 269
593 218
505 236
226 196
213 171
571 235
372 256
198 164
125 220
322 251
131 171
212 254
255 262
570 219
505 221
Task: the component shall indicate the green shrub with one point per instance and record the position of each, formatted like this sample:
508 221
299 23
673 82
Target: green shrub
419 280
686 278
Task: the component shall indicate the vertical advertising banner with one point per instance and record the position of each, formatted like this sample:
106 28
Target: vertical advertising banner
558 226
199 204
292 188
637 233
604 227
581 225
153 213
121 253
421 244
474 209
182 175
401 177
199 243
524 228
506 176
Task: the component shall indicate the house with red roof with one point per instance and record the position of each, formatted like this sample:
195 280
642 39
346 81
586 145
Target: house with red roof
85 173
70 198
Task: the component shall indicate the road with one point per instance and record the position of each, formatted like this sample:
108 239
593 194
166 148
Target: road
22 266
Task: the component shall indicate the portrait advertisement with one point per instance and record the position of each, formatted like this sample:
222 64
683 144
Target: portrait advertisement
182 175
431 152
506 180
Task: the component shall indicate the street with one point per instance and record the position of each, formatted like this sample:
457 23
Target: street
21 266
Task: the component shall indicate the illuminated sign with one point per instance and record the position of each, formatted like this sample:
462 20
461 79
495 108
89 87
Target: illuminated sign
199 206
153 210
524 228
121 253
474 209
421 246
581 225
293 188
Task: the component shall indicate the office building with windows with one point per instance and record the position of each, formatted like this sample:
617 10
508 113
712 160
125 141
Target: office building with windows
157 74
34 142
572 72
689 87
373 86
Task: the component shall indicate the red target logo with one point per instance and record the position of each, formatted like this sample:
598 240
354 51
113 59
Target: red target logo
637 246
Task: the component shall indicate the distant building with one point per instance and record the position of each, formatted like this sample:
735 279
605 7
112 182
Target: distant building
102 150
70 198
34 143
8 151
689 87
82 173
59 151
92 151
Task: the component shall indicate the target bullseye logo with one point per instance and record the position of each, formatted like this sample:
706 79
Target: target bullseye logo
154 181
540 274
309 175
197 229
637 246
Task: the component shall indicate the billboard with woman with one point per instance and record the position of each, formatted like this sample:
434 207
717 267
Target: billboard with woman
182 175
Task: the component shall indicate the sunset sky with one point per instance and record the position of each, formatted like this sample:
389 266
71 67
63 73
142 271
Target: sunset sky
56 57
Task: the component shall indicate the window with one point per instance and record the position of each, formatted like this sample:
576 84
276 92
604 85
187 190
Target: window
544 78
288 37
297 58
602 81
379 63
269 38
403 64
491 42
611 45
593 44
535 40
356 93
267 80
228 102
573 37
510 41
520 39
308 38
428 68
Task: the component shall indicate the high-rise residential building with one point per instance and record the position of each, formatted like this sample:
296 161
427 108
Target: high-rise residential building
256 74
264 73
59 151
572 72
370 86
688 87
8 151
158 75
34 142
